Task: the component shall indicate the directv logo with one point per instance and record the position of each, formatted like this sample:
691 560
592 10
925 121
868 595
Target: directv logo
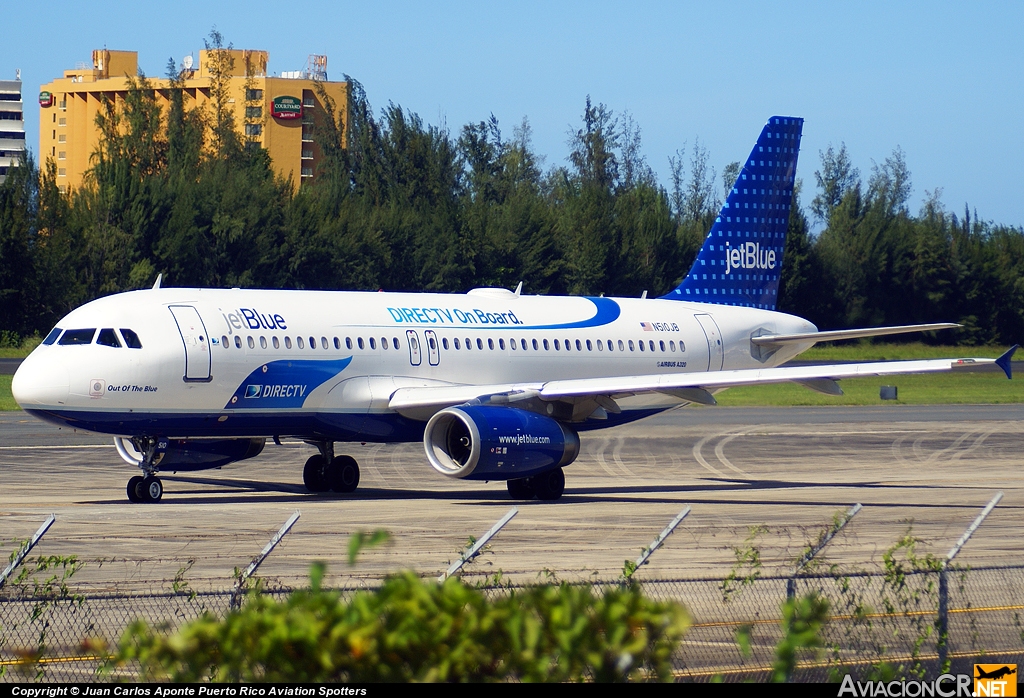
253 390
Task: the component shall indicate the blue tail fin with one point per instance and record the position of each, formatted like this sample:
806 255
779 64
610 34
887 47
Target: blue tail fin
741 260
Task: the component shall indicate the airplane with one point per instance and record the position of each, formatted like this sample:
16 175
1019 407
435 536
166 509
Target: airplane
497 385
994 674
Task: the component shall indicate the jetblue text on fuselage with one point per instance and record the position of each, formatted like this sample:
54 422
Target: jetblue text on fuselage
254 320
748 256
452 316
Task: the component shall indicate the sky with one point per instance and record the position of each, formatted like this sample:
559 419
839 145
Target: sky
940 80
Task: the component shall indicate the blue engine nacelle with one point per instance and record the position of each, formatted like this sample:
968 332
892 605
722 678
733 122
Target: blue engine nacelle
201 454
497 443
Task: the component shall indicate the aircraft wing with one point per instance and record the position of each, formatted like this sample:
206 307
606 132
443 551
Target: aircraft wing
694 387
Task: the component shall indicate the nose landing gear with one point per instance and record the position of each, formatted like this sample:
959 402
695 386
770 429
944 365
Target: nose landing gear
147 489
326 472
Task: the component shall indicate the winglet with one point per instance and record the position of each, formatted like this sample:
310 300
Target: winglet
1003 361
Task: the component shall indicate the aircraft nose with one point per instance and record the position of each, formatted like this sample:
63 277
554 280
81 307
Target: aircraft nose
40 382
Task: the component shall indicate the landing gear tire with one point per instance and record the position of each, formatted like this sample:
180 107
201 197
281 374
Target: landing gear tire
343 474
314 475
520 489
151 489
550 485
133 489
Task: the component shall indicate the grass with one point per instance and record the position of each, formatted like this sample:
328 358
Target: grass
7 402
957 388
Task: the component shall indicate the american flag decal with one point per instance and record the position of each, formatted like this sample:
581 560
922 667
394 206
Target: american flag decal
647 327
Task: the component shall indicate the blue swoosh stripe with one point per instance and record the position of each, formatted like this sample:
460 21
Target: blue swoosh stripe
608 311
283 384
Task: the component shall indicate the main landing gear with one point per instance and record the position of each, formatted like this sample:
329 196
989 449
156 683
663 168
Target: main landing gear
547 486
326 472
148 489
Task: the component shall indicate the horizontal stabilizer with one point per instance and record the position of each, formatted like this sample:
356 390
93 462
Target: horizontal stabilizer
836 335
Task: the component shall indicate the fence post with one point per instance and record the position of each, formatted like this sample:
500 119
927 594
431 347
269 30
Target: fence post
26 549
475 549
806 559
943 619
236 595
656 543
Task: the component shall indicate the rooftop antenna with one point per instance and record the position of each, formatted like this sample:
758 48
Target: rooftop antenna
17 74
159 278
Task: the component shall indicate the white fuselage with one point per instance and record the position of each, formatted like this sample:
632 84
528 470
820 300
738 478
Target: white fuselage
263 362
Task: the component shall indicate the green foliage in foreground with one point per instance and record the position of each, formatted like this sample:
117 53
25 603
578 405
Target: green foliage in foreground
416 630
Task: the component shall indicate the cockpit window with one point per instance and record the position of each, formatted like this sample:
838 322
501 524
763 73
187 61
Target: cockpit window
52 337
78 336
131 339
108 338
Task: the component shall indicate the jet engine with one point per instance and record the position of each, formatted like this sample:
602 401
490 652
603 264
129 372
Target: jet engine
497 443
194 454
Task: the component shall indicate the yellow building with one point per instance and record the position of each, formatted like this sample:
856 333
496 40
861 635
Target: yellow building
279 113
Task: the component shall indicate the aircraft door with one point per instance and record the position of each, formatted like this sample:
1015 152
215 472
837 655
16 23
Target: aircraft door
433 350
716 349
196 341
415 358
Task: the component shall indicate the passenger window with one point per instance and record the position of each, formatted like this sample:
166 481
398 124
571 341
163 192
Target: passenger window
545 345
457 343
631 345
108 339
535 345
287 342
444 343
238 340
323 342
590 347
348 342
682 347
373 343
337 343
52 337
651 344
263 342
469 343
360 342
523 344
661 344
433 343
600 345
252 344
641 345
312 342
384 342
299 343
479 344
490 344
558 347
225 342
672 346
277 343
72 337
395 344
622 347
501 343
579 345
131 339
512 343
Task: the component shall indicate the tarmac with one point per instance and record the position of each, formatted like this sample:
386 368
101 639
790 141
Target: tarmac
925 472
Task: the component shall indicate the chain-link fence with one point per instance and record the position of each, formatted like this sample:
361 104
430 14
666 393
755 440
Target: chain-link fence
879 624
